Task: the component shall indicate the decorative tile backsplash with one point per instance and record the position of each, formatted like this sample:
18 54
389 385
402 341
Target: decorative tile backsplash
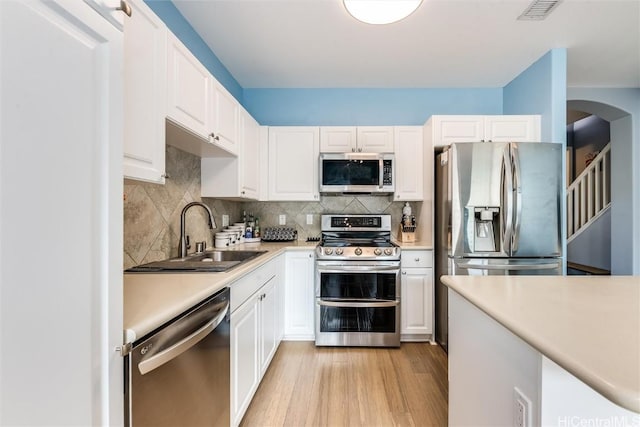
152 211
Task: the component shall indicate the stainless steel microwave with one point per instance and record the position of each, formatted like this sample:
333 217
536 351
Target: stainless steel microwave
357 173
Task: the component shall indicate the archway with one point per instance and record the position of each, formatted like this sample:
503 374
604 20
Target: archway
622 181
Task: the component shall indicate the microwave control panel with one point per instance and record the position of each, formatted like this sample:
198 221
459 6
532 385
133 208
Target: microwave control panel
387 172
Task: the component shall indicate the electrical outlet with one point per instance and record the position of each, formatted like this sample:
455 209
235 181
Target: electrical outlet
225 220
521 409
309 219
282 220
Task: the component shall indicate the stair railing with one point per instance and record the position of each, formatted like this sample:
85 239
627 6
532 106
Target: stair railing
589 195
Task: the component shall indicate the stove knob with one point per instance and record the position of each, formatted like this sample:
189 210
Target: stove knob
388 251
358 251
377 251
339 251
328 251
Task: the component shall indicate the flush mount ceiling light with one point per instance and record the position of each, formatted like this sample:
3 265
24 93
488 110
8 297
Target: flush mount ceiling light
381 11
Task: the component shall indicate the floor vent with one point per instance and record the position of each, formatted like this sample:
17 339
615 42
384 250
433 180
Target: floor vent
538 10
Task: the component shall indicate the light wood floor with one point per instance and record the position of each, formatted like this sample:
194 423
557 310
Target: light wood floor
324 386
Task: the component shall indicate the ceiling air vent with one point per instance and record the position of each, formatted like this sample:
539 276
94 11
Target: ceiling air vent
538 10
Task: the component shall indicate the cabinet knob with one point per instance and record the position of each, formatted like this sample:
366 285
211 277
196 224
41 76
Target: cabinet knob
165 175
353 150
310 256
359 150
417 259
404 272
124 7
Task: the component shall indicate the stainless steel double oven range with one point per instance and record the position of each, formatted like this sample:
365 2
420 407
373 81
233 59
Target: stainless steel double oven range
357 282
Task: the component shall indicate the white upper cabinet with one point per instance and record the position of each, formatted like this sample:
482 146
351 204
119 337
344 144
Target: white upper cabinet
145 94
337 139
512 128
375 139
235 177
346 139
409 163
198 103
516 128
189 89
224 123
293 163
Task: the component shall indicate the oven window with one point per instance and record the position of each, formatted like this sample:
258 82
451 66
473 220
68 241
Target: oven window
352 319
358 285
350 172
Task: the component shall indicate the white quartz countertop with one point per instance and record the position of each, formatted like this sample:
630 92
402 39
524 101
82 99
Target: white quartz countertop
152 299
589 325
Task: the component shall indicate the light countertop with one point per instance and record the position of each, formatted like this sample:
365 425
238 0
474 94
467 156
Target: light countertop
589 325
151 299
417 245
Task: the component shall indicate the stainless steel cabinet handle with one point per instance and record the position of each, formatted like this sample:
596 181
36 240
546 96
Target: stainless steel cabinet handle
180 347
124 6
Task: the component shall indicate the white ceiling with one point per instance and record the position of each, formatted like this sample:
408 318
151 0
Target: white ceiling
445 43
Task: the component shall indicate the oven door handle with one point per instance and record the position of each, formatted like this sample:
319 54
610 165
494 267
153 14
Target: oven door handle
180 347
356 268
354 304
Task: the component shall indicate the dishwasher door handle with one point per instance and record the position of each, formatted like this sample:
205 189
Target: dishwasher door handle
183 345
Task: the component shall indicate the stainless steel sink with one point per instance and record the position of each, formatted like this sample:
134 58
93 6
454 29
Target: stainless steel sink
210 261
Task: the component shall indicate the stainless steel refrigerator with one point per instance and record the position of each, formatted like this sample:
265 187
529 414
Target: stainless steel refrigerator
497 212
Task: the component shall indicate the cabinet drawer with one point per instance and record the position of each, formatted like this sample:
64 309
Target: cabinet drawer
417 259
243 288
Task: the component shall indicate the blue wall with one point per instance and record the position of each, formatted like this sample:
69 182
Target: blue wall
187 35
326 107
542 89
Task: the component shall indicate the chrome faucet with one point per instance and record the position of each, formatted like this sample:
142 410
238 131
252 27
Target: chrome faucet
184 244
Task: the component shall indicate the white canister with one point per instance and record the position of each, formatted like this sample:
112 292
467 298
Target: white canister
222 239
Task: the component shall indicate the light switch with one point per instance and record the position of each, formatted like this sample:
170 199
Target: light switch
309 219
225 220
282 219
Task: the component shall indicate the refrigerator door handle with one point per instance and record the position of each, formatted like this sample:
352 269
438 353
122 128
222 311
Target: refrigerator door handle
541 266
515 159
507 201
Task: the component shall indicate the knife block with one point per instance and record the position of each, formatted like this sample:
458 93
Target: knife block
407 234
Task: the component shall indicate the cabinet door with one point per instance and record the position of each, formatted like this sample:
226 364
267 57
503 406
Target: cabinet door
450 129
299 296
225 118
512 128
249 159
245 354
337 139
293 163
268 324
416 312
61 129
409 163
189 89
145 94
375 139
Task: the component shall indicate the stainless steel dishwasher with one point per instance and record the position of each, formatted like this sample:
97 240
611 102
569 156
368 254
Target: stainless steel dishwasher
178 375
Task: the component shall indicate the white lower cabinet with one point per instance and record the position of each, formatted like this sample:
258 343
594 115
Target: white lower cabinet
416 296
255 333
245 346
299 296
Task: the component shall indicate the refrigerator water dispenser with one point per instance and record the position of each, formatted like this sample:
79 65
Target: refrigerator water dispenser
487 226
